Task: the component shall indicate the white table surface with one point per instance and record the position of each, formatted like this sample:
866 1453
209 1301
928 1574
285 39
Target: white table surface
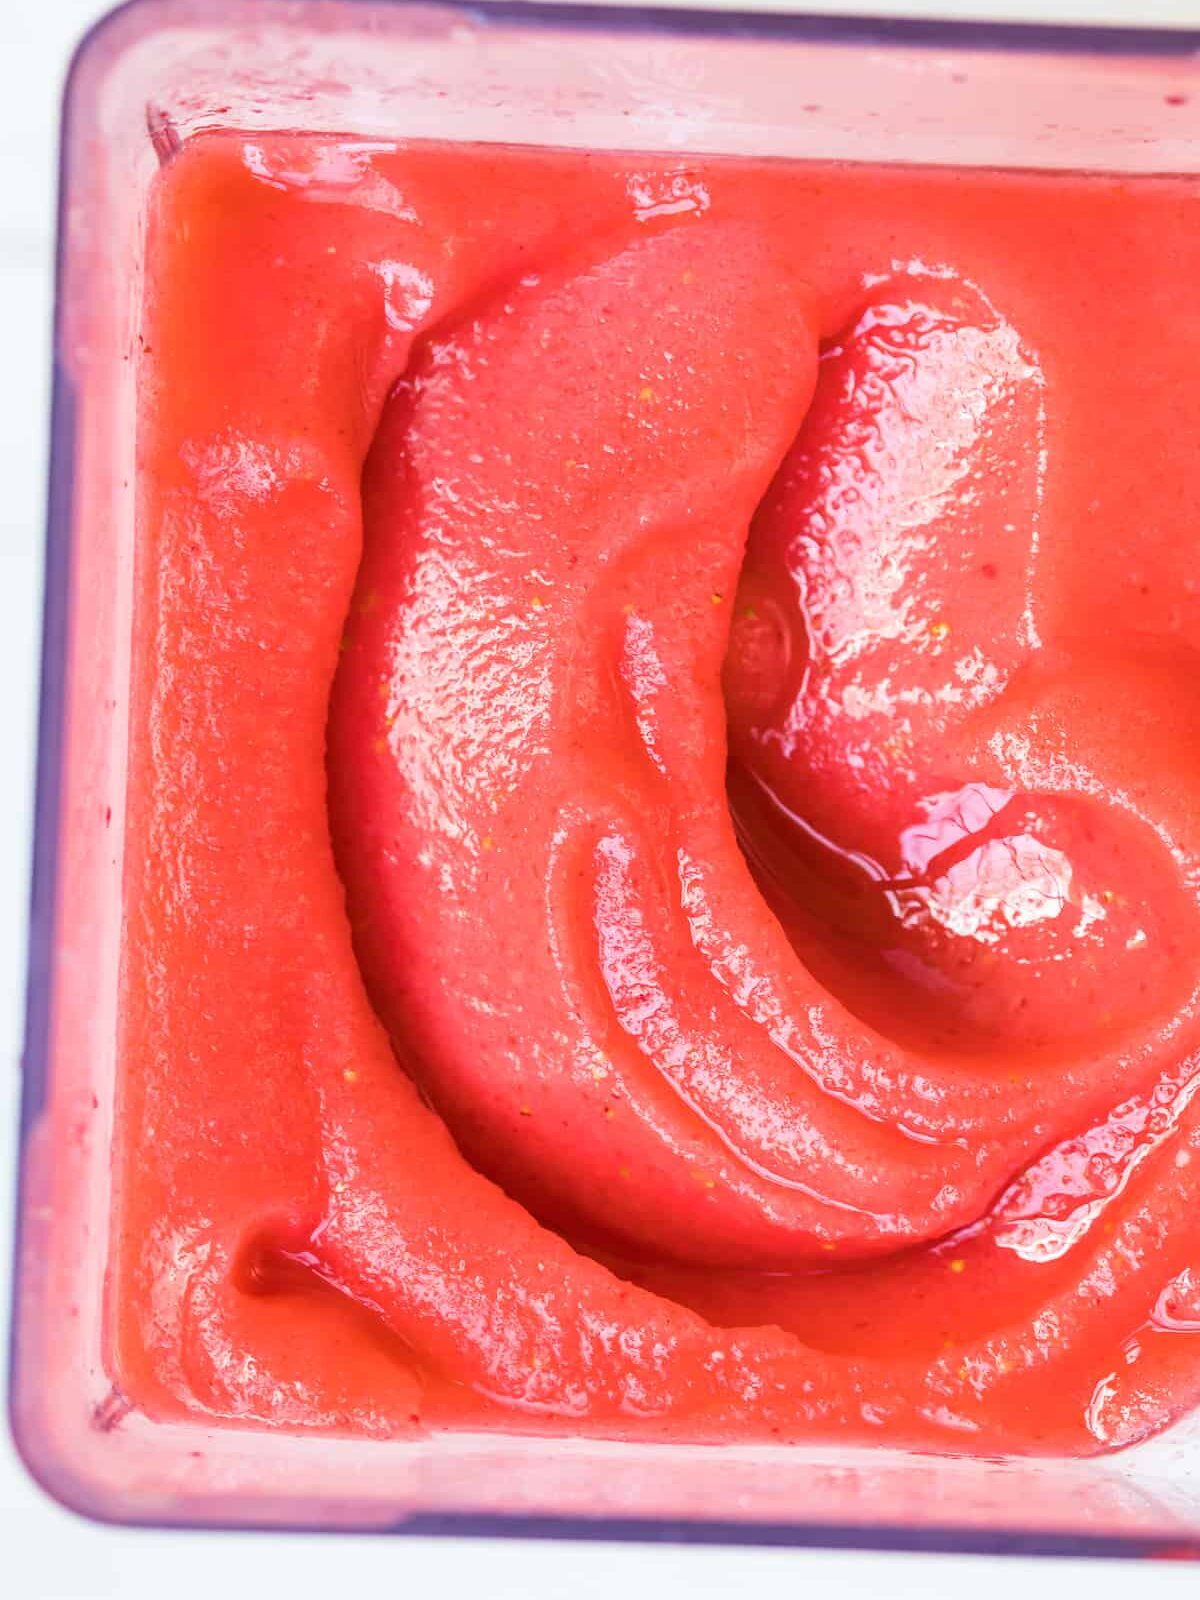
47 1552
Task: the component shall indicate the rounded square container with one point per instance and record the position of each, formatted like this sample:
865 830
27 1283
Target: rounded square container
155 73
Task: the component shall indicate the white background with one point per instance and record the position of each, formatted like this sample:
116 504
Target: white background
46 1552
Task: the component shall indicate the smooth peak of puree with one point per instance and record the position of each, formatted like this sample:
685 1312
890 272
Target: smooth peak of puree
664 832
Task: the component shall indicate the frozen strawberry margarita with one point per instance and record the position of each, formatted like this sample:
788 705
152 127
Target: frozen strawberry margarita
663 871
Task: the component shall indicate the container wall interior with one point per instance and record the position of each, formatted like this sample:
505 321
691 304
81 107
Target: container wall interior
163 71
544 75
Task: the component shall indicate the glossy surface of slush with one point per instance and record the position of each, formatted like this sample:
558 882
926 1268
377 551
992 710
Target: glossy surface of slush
663 855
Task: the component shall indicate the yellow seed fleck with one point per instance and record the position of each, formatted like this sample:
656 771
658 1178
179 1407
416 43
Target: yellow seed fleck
716 598
646 393
939 630
487 842
350 1075
627 609
599 1073
828 1244
526 1111
750 614
623 1172
537 602
339 1187
958 1265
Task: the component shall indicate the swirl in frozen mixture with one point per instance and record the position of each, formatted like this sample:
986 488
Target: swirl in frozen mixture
721 964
